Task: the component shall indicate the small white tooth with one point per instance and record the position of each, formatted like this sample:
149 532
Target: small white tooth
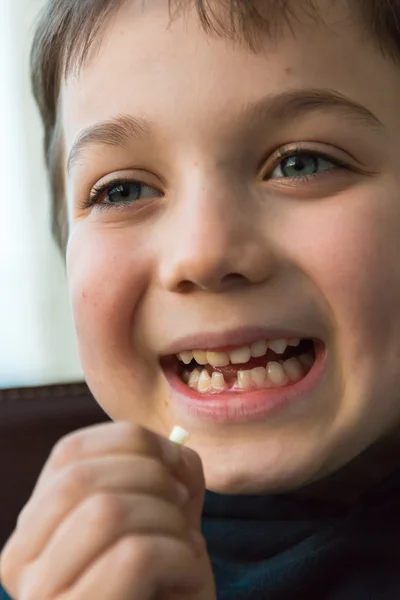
218 359
194 378
204 383
306 360
179 435
294 342
258 376
275 373
186 376
200 357
278 346
244 380
217 381
258 349
293 369
239 356
186 357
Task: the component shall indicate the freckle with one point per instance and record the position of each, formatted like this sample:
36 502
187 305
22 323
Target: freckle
83 295
196 164
288 70
166 403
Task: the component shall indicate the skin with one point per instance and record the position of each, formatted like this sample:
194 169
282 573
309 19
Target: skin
222 243
133 500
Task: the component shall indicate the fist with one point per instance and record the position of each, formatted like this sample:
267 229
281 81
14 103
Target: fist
115 515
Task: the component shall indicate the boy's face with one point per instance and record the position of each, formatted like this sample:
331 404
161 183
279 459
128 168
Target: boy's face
268 209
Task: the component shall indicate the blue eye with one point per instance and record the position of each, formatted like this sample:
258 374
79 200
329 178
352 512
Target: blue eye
120 193
124 192
301 165
129 192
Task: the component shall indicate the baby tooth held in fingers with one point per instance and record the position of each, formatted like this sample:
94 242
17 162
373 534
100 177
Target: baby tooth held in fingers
194 378
200 357
218 359
217 381
258 376
239 356
186 357
293 369
258 349
275 373
179 435
278 346
244 380
204 383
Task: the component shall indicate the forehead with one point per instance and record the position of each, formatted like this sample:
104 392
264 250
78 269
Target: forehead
170 72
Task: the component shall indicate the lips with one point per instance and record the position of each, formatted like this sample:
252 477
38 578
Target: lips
238 404
232 340
266 362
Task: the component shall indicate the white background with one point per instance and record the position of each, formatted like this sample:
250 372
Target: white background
37 339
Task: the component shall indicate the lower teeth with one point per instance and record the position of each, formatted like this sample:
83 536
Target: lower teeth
275 374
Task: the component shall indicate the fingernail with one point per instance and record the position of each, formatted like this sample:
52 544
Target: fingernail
171 453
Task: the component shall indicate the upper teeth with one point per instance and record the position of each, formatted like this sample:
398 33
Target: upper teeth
238 356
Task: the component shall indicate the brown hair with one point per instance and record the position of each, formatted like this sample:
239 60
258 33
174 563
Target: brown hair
67 29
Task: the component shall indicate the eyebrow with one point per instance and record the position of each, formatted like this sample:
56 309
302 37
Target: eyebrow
120 130
297 103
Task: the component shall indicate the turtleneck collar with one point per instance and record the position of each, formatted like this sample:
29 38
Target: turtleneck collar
285 546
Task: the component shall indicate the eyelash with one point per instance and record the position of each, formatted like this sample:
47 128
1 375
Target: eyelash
99 190
282 153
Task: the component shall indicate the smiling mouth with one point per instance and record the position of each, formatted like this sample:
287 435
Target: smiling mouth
263 365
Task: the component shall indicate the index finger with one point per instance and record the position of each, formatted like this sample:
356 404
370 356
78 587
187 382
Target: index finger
119 437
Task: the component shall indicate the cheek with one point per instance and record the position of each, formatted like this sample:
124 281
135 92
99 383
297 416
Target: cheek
351 255
108 273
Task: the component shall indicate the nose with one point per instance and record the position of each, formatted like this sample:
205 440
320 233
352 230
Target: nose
215 240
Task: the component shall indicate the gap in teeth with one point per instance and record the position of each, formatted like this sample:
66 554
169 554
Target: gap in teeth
274 374
239 356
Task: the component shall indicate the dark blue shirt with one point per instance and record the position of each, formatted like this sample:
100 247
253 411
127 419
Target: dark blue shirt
3 594
285 548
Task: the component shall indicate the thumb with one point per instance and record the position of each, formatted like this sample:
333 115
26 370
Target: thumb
190 472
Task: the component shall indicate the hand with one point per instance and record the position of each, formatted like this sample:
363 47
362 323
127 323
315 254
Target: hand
115 515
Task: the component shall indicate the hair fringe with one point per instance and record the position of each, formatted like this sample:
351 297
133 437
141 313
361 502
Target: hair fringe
67 31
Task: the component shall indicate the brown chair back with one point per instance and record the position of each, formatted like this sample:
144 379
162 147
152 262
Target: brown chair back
32 420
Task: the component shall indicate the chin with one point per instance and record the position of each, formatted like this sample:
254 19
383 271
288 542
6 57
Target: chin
258 479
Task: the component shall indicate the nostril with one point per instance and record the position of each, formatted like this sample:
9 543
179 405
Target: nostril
233 280
227 282
185 286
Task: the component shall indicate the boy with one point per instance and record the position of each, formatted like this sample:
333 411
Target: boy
226 185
